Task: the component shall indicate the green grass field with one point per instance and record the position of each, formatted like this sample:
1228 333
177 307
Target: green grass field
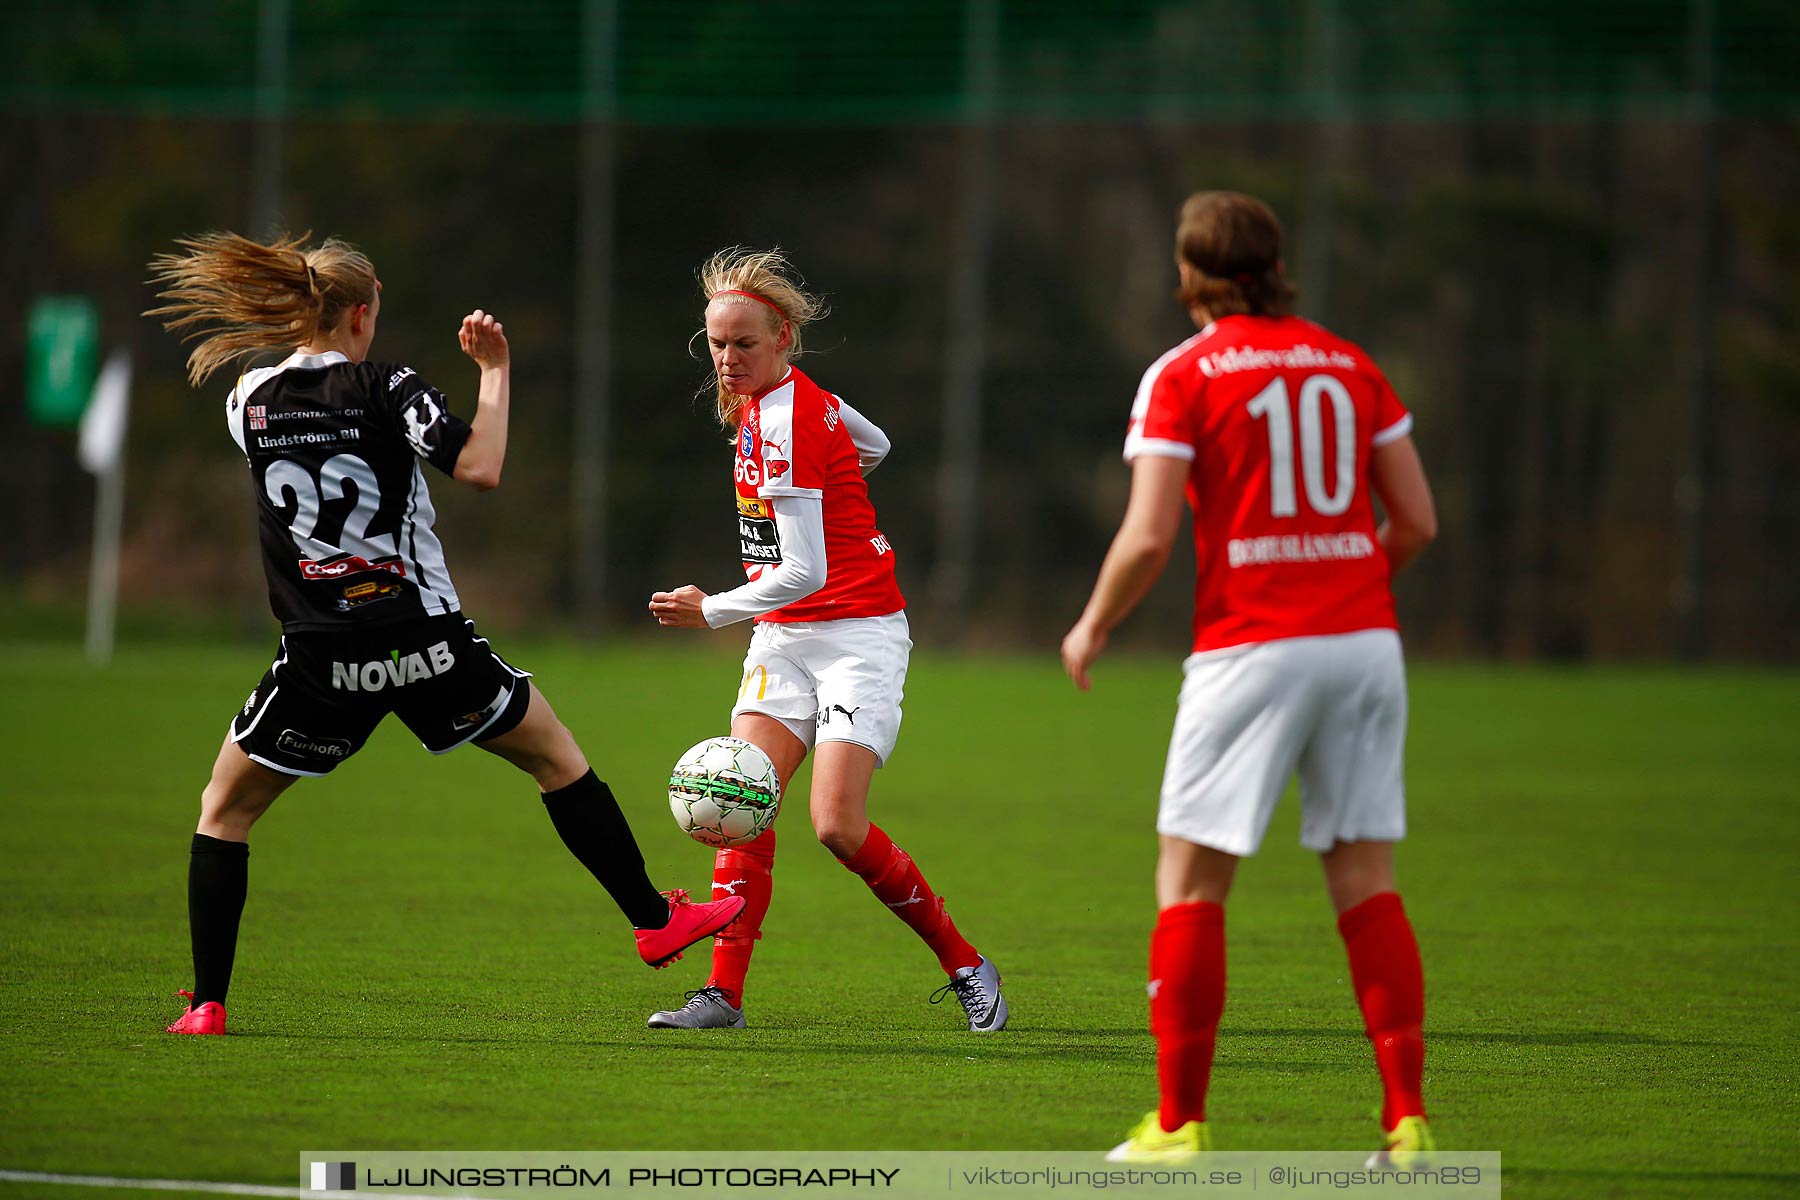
1602 872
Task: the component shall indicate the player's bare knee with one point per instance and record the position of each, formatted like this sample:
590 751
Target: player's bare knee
229 811
1350 887
842 837
563 762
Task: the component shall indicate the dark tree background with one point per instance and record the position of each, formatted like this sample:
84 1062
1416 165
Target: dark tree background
1568 233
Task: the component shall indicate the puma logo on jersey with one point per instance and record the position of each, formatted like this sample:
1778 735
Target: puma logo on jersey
775 457
915 898
729 889
849 713
373 676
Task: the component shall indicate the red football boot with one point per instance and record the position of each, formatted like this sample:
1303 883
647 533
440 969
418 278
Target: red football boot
688 923
208 1018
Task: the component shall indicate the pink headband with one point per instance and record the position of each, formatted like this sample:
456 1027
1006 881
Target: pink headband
753 296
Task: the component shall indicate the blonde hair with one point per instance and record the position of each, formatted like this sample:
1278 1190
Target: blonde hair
774 289
241 297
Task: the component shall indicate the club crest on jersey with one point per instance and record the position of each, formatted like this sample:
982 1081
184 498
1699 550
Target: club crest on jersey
422 417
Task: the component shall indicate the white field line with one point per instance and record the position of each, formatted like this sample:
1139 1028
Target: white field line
190 1185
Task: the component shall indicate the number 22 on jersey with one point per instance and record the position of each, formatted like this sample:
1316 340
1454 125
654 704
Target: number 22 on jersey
287 475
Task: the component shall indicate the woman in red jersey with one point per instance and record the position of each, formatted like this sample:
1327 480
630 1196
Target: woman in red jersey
827 660
1277 433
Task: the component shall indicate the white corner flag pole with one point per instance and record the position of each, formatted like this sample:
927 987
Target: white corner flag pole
102 453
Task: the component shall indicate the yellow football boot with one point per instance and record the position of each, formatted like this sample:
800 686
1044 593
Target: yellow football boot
1409 1145
1150 1142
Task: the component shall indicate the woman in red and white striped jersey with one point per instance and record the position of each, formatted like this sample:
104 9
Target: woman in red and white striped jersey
828 656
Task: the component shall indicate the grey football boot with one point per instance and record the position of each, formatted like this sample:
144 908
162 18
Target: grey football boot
978 987
705 1009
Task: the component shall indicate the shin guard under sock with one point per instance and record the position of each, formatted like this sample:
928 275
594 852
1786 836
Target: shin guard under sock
218 879
746 871
1390 988
1187 997
896 880
588 819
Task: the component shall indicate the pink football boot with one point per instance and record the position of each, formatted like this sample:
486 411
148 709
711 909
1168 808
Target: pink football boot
208 1018
688 923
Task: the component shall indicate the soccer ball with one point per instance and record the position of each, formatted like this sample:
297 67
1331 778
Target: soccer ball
724 792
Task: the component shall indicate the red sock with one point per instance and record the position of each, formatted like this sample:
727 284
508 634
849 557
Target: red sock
1187 996
895 879
1390 987
746 871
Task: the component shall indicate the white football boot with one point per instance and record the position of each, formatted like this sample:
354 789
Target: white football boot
978 987
705 1009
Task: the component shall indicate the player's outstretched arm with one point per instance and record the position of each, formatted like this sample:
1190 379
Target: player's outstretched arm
483 339
800 525
1405 494
1139 552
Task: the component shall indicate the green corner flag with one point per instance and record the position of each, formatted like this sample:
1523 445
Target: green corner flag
62 333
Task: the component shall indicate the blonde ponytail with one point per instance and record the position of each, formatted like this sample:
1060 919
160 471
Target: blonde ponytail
765 280
241 297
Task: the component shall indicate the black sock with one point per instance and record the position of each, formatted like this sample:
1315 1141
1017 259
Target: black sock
595 831
218 876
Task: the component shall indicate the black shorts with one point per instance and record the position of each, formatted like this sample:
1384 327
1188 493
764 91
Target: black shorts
326 692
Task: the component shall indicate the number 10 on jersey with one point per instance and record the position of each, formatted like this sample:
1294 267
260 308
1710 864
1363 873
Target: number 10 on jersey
1272 403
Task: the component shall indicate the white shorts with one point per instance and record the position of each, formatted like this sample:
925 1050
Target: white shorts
830 681
1332 707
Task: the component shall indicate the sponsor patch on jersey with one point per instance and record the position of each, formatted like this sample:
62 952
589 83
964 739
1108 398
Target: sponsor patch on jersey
758 541
367 591
747 442
750 506
295 742
775 458
349 564
392 670
259 416
476 720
